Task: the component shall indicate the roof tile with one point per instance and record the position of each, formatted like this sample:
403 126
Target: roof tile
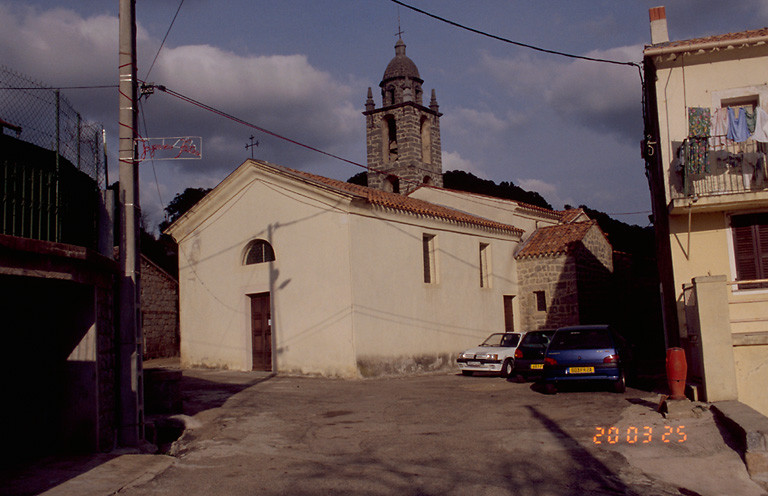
397 201
555 240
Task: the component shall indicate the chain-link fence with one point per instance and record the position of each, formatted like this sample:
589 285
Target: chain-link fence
51 164
42 116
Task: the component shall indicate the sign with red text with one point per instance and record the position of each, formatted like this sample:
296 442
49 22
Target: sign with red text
179 148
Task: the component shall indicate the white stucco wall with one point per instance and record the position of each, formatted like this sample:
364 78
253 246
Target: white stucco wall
347 285
700 237
398 315
309 281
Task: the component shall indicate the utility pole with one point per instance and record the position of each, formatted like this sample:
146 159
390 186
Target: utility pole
130 377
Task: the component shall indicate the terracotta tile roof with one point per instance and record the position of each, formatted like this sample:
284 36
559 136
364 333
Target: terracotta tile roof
696 43
568 216
522 205
396 201
554 240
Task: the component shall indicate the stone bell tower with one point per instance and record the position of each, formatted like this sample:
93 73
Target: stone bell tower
402 136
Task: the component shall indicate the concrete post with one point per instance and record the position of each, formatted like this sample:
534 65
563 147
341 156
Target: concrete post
131 397
718 363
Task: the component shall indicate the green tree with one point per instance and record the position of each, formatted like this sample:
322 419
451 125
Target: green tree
181 203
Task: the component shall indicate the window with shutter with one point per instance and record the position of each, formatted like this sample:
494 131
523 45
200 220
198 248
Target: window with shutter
750 249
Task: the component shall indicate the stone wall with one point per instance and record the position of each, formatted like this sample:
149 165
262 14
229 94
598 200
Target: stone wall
556 276
409 165
577 285
160 311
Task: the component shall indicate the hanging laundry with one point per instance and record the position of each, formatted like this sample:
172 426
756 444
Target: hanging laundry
697 158
751 116
699 121
719 128
737 126
761 125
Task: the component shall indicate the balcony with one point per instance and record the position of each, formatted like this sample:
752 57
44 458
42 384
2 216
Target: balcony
728 175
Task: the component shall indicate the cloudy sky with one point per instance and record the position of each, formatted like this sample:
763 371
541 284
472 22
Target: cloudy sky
568 129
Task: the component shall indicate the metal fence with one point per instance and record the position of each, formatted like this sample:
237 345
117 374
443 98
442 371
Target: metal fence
48 120
51 164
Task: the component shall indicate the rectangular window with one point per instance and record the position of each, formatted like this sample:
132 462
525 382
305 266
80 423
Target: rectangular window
509 316
428 248
541 301
750 248
485 272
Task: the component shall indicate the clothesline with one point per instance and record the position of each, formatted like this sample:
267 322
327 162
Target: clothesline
723 124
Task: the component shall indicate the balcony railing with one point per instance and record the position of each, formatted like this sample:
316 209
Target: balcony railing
700 169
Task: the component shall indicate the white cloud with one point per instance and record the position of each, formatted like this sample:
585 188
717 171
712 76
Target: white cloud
473 120
601 96
282 93
454 161
549 191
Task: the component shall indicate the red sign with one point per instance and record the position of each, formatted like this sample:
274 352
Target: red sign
181 148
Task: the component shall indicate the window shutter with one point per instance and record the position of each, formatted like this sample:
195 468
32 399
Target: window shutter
744 252
750 246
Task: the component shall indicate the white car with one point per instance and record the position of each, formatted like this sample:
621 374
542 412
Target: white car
496 354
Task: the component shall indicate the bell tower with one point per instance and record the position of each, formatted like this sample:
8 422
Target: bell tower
402 136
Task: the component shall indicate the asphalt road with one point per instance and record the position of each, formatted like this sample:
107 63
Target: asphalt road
437 435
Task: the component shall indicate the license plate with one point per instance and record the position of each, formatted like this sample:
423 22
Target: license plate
537 366
581 370
474 364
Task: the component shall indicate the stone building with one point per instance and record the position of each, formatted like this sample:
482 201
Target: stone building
402 136
159 311
565 276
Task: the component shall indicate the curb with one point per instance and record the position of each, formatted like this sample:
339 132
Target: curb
749 430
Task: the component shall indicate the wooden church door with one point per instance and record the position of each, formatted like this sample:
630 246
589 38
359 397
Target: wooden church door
261 332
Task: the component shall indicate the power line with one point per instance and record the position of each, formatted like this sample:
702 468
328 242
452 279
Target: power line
517 43
152 161
243 122
91 87
164 38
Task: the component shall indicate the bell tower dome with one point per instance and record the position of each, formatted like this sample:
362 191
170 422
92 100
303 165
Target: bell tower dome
402 136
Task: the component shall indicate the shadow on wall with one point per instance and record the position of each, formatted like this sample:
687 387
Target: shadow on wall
586 292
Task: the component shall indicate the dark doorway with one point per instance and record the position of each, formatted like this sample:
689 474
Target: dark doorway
509 316
261 331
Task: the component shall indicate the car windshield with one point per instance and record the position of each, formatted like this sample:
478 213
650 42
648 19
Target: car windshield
536 339
502 340
581 339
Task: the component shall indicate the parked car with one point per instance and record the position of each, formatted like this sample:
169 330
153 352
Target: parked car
529 355
496 354
585 353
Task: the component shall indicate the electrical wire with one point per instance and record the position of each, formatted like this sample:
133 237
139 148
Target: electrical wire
517 43
152 161
243 122
94 87
164 38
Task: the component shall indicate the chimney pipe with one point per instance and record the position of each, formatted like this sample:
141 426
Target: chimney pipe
658 16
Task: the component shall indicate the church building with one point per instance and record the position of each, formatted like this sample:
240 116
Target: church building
291 272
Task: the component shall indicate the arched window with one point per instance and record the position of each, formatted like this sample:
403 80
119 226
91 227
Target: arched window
392 184
259 251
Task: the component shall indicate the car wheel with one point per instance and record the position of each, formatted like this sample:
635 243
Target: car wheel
506 369
620 385
550 388
466 372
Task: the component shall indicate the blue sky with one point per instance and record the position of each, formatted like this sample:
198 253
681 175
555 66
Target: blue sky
567 129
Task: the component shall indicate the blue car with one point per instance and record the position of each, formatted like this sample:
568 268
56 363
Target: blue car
592 353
